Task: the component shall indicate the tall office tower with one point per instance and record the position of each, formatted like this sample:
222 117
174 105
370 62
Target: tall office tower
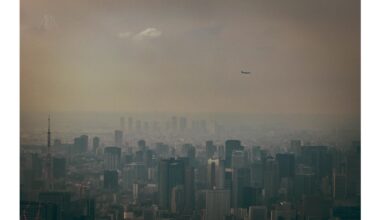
255 154
177 199
305 182
112 158
48 165
95 144
138 126
257 174
60 199
188 150
318 158
111 180
232 145
270 178
122 123
174 123
240 178
130 124
59 167
170 174
217 204
189 190
118 138
81 144
257 213
295 146
182 124
286 165
210 149
252 196
215 173
162 150
237 159
339 186
141 145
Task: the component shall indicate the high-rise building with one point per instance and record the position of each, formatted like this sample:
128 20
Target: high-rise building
118 138
217 204
232 145
257 174
210 149
141 145
111 179
241 178
95 144
237 159
60 199
286 165
215 173
252 196
270 178
80 144
112 158
59 167
170 174
339 186
177 199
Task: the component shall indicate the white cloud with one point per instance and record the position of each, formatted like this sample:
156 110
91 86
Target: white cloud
148 33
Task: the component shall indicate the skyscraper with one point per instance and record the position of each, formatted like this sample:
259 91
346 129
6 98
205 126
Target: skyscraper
48 165
232 145
215 173
171 173
112 158
95 144
210 149
217 204
118 138
286 165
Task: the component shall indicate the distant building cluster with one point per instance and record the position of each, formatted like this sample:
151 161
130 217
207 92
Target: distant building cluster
223 179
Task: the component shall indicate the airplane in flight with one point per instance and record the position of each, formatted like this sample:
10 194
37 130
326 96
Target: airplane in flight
244 72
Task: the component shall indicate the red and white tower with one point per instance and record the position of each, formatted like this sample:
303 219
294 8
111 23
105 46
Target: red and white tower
48 164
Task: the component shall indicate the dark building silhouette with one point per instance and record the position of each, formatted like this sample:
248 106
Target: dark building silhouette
80 144
111 180
231 146
112 157
60 199
210 149
118 138
59 167
286 165
95 144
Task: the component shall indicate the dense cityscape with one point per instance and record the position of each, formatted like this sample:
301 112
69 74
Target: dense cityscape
182 170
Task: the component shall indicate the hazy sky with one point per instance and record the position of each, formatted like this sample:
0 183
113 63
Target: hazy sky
185 56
